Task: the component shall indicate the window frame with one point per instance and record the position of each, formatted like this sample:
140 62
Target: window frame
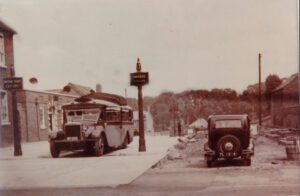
2 50
42 122
4 121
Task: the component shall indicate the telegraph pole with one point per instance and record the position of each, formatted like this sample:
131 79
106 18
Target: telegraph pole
259 88
139 79
297 11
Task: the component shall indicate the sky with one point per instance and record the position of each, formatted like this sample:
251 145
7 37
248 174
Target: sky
183 44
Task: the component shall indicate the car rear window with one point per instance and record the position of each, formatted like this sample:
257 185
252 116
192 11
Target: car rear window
228 123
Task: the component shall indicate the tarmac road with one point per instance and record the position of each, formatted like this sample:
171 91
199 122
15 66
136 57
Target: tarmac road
36 169
269 174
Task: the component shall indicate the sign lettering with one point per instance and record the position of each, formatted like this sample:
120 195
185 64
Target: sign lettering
15 83
139 78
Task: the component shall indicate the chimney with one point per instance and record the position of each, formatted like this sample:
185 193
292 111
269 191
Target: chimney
98 88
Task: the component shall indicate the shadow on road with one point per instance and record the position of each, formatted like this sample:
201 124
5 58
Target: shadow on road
219 163
76 154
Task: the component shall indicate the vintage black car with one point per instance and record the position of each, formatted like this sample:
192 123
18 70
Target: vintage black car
229 138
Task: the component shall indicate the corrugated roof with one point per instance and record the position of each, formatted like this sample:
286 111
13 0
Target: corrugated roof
286 81
6 28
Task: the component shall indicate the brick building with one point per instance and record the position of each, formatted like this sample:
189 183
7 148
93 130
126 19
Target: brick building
40 111
285 108
6 70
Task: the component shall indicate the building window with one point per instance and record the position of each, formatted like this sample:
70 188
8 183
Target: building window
4 108
2 53
42 117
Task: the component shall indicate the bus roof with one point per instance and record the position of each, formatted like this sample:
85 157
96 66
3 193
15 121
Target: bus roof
114 102
117 99
90 103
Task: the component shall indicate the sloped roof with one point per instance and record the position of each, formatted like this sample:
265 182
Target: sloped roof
81 90
199 123
6 28
75 89
286 81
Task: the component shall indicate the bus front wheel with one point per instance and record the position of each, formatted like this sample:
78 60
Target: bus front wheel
54 150
99 146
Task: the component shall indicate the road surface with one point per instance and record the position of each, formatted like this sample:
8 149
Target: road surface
269 174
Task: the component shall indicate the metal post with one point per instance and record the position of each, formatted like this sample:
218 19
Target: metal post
142 143
16 116
37 119
259 89
139 79
17 132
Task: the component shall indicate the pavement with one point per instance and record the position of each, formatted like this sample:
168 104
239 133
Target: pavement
37 169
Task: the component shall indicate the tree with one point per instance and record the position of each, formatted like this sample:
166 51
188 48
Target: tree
272 82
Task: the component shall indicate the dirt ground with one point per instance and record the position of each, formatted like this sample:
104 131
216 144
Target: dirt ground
185 170
267 152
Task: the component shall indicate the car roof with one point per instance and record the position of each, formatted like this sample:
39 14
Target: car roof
228 116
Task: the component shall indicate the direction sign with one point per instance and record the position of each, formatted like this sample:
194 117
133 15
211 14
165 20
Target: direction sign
139 78
15 83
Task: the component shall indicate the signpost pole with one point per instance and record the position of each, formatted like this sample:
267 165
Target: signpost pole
13 84
142 143
139 79
17 131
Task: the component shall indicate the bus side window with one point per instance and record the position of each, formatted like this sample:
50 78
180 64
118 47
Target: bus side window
101 116
124 115
113 116
129 115
109 116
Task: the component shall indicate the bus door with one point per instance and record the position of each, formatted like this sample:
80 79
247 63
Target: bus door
113 128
